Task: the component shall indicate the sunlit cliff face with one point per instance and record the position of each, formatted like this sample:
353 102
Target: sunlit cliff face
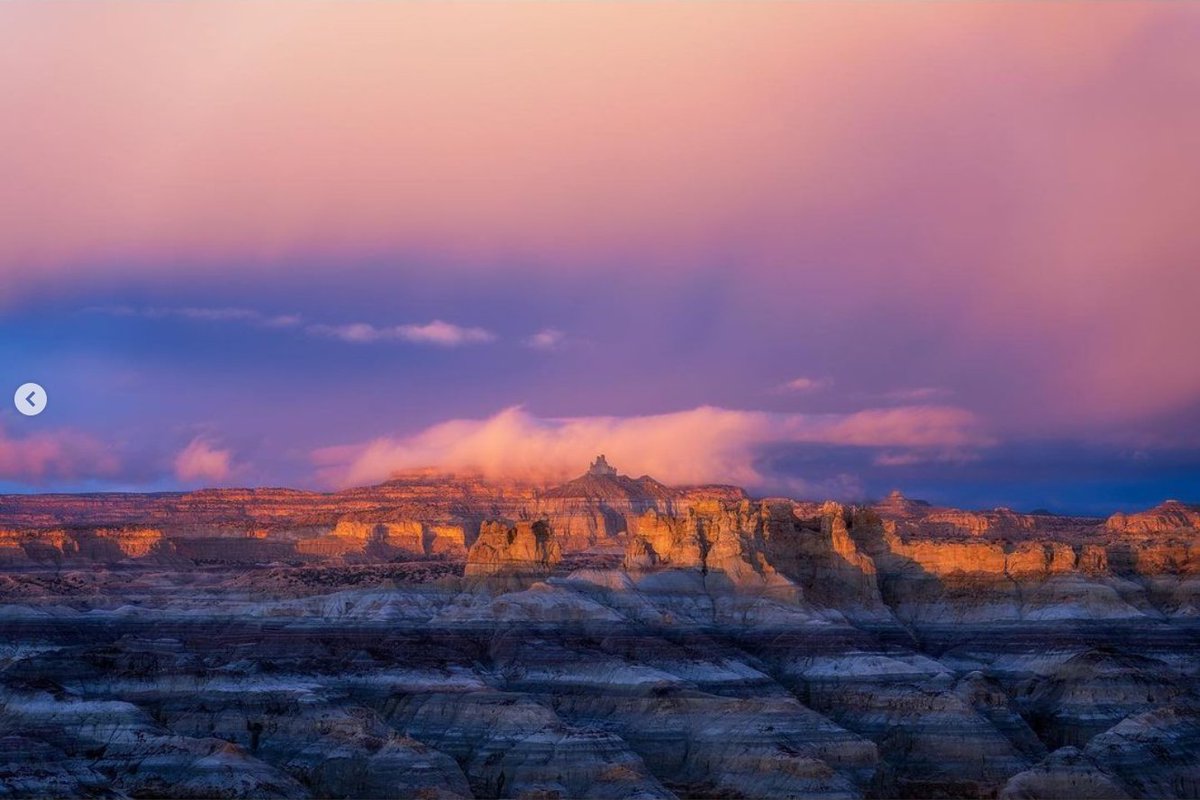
820 248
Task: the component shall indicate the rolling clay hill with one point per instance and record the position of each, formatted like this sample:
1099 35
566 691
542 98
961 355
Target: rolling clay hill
611 637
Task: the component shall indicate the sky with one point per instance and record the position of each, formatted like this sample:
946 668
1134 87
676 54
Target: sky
817 249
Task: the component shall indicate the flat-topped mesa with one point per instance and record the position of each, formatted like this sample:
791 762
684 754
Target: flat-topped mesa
919 518
1170 516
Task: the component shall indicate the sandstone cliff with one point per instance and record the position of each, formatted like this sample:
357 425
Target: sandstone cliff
599 507
288 644
521 549
762 546
102 545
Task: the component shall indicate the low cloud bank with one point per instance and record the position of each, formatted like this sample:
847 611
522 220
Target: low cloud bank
53 455
700 445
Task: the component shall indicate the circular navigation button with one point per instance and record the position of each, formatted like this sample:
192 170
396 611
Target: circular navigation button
30 399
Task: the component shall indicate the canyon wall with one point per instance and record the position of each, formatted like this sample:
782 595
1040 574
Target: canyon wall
613 637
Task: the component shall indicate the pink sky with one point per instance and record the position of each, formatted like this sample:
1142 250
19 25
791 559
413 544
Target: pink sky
1023 174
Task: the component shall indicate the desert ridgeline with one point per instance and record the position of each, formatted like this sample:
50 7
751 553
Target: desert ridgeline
449 636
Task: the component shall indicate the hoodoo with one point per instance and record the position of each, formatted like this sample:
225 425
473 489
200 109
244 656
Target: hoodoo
601 468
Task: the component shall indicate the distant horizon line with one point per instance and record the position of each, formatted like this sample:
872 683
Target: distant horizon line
439 472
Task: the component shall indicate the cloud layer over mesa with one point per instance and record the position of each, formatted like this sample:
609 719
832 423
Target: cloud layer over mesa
701 445
765 213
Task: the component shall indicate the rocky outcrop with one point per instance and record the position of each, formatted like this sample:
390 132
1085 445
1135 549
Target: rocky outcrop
218 681
1091 692
1155 753
918 518
283 515
1171 517
827 562
135 756
363 539
32 768
102 545
333 751
521 549
421 513
446 539
412 639
1065 773
513 747
599 506
762 547
667 541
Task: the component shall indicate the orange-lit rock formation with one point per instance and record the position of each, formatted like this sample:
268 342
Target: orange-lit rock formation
1169 517
523 549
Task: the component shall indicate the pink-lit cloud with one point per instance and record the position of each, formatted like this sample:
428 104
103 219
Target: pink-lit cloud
445 334
803 385
547 339
59 454
247 316
202 461
437 332
916 394
943 427
442 334
705 444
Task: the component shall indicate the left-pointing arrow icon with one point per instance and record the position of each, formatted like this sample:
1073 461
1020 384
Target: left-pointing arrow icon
30 399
